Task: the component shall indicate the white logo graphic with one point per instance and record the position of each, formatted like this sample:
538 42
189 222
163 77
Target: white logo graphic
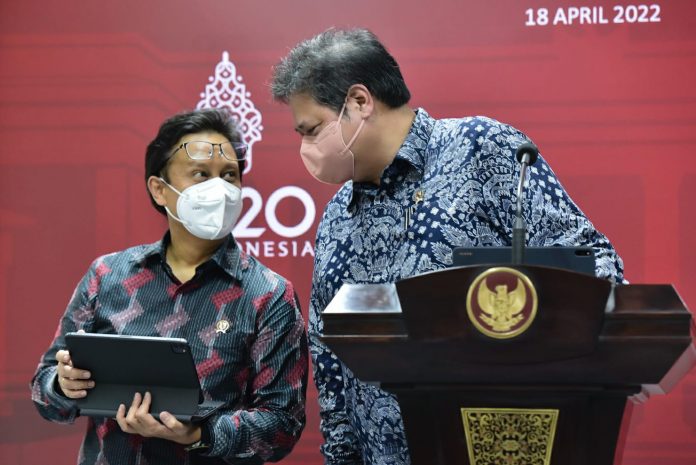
259 217
226 90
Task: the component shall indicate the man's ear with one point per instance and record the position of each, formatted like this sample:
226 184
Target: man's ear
156 188
359 96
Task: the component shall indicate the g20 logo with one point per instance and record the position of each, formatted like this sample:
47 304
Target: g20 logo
244 230
227 90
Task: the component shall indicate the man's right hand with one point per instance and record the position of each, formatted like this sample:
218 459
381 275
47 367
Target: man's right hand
72 381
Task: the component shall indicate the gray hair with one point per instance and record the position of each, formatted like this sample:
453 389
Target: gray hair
326 65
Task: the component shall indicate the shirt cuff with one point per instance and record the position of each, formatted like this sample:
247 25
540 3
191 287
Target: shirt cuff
205 434
57 398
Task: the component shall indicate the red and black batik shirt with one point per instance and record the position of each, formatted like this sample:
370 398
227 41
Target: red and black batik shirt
258 366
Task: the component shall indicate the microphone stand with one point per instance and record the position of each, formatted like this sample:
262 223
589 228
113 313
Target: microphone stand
527 154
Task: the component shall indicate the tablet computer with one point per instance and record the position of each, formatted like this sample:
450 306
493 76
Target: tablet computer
123 365
580 259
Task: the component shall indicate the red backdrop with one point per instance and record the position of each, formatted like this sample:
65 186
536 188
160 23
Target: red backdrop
85 85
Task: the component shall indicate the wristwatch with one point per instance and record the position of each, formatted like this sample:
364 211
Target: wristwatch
196 446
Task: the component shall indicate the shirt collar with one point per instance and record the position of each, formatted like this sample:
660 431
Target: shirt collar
228 256
413 149
411 154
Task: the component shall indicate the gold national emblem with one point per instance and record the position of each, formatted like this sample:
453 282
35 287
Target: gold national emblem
222 326
501 303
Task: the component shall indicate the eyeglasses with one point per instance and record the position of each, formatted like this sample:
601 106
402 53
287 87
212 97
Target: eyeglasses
202 150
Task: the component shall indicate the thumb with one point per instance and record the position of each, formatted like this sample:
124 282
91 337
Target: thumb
168 420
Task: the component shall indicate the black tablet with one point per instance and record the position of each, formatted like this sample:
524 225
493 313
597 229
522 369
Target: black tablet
123 365
580 259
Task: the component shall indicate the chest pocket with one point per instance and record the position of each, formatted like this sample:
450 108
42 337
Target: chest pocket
224 363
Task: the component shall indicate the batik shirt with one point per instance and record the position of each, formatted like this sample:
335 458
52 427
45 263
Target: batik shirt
452 184
258 366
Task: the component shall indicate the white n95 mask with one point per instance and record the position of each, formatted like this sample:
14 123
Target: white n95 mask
208 210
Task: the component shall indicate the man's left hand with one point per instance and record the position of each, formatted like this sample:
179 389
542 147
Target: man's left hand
138 420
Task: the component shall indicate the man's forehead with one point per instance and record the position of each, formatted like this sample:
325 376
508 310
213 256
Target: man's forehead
204 136
307 111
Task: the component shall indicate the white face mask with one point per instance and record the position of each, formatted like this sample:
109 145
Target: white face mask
208 210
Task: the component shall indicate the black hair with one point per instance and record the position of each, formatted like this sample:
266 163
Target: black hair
160 150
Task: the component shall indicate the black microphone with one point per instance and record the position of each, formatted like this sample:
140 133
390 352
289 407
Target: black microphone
528 149
527 153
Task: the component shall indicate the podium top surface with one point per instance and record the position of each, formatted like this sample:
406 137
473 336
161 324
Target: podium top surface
586 329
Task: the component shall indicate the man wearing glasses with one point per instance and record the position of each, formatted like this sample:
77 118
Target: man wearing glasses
242 321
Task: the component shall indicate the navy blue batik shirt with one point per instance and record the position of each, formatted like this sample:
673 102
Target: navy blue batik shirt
452 184
258 366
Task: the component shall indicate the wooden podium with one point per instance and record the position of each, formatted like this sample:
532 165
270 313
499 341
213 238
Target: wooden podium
484 380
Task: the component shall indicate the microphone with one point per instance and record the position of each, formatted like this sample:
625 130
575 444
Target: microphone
529 150
527 153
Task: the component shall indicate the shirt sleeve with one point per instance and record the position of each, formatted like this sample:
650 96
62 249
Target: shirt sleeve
340 446
51 404
271 424
551 216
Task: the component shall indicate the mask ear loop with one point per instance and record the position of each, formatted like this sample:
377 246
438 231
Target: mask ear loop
355 136
343 109
169 212
169 185
357 131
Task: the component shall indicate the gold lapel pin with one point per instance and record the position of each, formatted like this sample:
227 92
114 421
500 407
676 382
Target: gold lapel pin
222 326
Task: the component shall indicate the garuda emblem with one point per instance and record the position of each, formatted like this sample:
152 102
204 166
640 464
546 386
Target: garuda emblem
501 302
502 308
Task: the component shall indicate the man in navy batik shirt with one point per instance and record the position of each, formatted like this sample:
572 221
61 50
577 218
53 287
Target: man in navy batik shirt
413 189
